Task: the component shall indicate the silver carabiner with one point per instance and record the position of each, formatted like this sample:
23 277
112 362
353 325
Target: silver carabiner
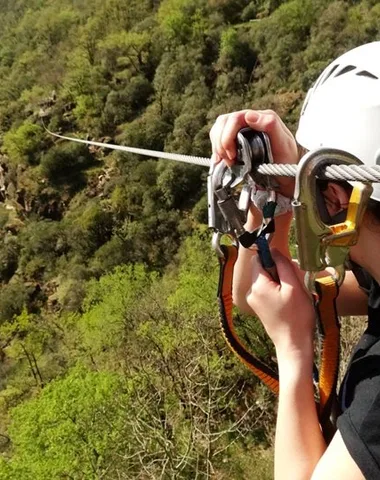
226 216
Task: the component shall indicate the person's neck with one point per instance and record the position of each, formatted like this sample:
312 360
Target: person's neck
366 252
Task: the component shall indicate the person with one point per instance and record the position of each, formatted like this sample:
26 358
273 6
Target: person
342 110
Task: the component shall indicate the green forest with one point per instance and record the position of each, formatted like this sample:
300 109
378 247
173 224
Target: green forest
112 363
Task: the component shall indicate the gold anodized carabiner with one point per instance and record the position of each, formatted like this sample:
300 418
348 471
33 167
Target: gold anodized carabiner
320 245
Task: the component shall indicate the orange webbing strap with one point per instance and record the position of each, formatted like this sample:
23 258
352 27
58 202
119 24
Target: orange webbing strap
324 303
262 371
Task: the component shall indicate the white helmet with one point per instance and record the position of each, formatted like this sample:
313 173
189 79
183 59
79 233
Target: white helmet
342 109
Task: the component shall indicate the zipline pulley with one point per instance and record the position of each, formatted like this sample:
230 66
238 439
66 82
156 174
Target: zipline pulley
227 216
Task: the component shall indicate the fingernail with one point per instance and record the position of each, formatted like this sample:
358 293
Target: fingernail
252 116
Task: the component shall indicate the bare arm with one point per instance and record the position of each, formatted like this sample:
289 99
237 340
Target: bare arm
300 450
299 443
329 468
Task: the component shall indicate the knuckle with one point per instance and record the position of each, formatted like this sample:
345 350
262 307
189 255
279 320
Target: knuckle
226 143
255 293
234 116
271 120
221 118
250 299
269 111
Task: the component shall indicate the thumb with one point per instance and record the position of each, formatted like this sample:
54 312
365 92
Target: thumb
285 269
251 118
259 274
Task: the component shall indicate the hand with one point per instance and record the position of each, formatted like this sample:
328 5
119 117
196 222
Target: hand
284 308
284 148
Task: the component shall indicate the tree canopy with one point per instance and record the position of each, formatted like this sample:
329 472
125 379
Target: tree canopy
111 360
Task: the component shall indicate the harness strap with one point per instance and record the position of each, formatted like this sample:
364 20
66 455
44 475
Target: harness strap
259 368
325 308
329 334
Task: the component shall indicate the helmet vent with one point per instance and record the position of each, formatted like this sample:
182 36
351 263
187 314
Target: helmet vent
324 78
344 70
364 73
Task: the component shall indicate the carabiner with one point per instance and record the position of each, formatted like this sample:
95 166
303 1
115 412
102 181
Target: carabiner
225 215
320 245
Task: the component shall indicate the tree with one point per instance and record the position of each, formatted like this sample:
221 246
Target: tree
42 243
88 228
64 163
124 105
9 256
13 297
23 341
126 50
109 306
77 419
24 144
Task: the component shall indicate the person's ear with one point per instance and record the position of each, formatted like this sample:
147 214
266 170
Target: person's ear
336 197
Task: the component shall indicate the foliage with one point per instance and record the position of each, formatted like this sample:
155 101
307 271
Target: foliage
180 20
111 360
13 297
193 294
88 228
65 163
123 105
9 256
23 144
77 419
42 242
112 313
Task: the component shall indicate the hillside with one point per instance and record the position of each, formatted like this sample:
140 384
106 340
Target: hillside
112 364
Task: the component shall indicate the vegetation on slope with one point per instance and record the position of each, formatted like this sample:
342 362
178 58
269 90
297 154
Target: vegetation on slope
112 364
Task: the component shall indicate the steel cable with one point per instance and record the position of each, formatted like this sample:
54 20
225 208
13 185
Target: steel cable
361 173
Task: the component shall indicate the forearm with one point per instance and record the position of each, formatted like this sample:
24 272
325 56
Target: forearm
299 442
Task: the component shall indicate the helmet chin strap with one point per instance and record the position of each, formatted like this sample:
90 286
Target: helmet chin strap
339 217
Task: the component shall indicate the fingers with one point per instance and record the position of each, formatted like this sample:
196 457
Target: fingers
260 277
223 133
223 136
268 121
282 140
262 283
285 271
265 291
235 122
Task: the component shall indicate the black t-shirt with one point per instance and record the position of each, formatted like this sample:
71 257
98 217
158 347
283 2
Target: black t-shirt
359 394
